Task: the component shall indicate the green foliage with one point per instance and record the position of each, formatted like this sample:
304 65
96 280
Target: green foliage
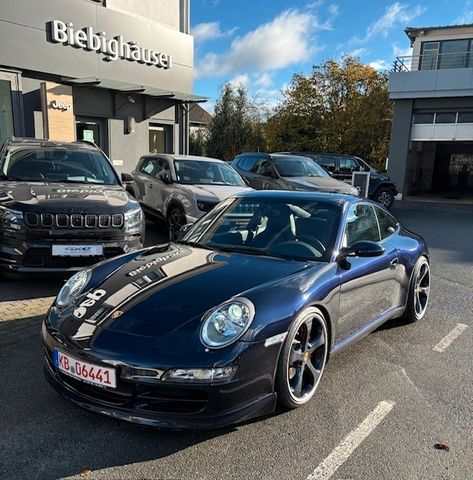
341 107
236 125
197 142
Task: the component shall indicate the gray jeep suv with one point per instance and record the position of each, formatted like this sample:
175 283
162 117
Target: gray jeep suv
181 189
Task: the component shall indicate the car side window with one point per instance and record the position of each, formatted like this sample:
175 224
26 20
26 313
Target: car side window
327 162
265 167
162 165
387 224
247 163
361 224
347 165
258 163
147 166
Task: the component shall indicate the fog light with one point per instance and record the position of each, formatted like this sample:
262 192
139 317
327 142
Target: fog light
201 375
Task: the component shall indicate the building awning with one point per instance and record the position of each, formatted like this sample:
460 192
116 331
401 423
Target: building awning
132 88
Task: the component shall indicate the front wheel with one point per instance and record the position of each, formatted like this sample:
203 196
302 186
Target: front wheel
419 291
302 359
176 219
384 196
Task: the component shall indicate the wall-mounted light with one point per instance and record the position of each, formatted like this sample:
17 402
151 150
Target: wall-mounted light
130 125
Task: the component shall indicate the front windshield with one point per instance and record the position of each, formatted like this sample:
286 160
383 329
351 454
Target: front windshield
201 172
58 165
294 229
289 166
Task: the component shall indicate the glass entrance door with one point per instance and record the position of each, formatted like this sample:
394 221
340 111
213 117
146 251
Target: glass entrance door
93 130
6 111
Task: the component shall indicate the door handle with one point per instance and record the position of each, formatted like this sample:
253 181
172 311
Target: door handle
150 185
394 263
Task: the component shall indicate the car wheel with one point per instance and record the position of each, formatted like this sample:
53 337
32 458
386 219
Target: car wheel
176 218
302 359
384 196
419 292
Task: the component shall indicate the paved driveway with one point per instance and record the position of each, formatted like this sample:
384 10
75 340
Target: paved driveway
380 408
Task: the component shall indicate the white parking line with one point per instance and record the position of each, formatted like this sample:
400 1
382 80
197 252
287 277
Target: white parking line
448 339
351 442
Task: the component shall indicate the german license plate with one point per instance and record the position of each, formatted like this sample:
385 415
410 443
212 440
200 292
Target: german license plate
85 371
77 250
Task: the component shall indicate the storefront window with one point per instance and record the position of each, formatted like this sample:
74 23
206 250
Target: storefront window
6 111
158 139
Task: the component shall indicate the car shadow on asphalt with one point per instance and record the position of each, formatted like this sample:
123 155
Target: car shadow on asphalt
46 436
29 288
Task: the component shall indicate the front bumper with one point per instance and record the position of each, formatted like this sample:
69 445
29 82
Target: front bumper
34 255
173 405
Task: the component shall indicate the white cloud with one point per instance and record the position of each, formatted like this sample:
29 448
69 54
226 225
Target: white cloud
380 65
203 32
284 41
358 52
264 80
467 15
395 15
240 80
401 52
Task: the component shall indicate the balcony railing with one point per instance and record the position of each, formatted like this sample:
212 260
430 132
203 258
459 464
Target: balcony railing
433 61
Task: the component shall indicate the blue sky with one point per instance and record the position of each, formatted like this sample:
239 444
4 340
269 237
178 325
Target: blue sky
262 43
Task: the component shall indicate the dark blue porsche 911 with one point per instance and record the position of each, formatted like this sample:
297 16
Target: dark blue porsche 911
242 313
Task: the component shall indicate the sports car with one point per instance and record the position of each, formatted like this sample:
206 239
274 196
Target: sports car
242 313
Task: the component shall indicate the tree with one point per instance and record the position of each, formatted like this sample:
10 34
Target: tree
235 127
197 141
340 107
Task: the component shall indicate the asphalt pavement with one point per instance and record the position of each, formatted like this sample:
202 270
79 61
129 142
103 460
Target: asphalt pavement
382 405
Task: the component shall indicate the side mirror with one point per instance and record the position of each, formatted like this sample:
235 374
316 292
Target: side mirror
362 248
182 231
164 177
127 177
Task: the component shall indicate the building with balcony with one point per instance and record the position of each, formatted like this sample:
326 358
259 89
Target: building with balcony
115 72
431 149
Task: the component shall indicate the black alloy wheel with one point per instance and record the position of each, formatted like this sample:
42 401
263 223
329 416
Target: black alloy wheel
302 359
419 291
385 197
176 219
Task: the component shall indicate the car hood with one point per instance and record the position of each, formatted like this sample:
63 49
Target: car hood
375 175
320 184
57 196
161 295
215 192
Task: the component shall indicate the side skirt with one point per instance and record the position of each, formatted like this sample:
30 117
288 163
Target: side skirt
367 329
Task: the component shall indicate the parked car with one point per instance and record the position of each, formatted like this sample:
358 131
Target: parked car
181 189
62 207
264 171
243 312
381 188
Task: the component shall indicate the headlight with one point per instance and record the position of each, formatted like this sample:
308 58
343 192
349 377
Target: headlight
205 206
200 375
227 323
11 218
73 288
134 221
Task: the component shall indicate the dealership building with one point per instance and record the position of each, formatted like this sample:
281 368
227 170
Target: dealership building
431 150
115 72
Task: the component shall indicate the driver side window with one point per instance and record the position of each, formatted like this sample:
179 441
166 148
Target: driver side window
361 224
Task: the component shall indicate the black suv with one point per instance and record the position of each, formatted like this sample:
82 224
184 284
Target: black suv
62 207
381 188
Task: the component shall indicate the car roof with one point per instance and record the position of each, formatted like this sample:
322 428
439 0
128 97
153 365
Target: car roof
287 195
45 143
319 154
194 158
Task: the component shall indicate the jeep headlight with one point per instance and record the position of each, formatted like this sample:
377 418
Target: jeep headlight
11 219
73 288
227 323
134 221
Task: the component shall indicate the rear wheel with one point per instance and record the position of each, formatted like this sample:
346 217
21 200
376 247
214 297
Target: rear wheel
176 218
302 359
384 196
419 292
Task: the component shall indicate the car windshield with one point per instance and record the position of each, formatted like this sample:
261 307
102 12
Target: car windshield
289 166
57 165
201 172
295 229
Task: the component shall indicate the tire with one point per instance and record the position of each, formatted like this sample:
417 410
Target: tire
176 218
302 359
385 197
419 292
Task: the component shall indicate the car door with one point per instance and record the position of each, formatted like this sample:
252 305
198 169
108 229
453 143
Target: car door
248 167
268 177
369 287
143 179
346 167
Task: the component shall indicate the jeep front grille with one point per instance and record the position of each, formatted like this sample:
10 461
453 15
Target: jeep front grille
74 220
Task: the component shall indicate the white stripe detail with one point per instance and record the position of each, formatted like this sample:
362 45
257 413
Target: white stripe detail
279 338
351 442
448 339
